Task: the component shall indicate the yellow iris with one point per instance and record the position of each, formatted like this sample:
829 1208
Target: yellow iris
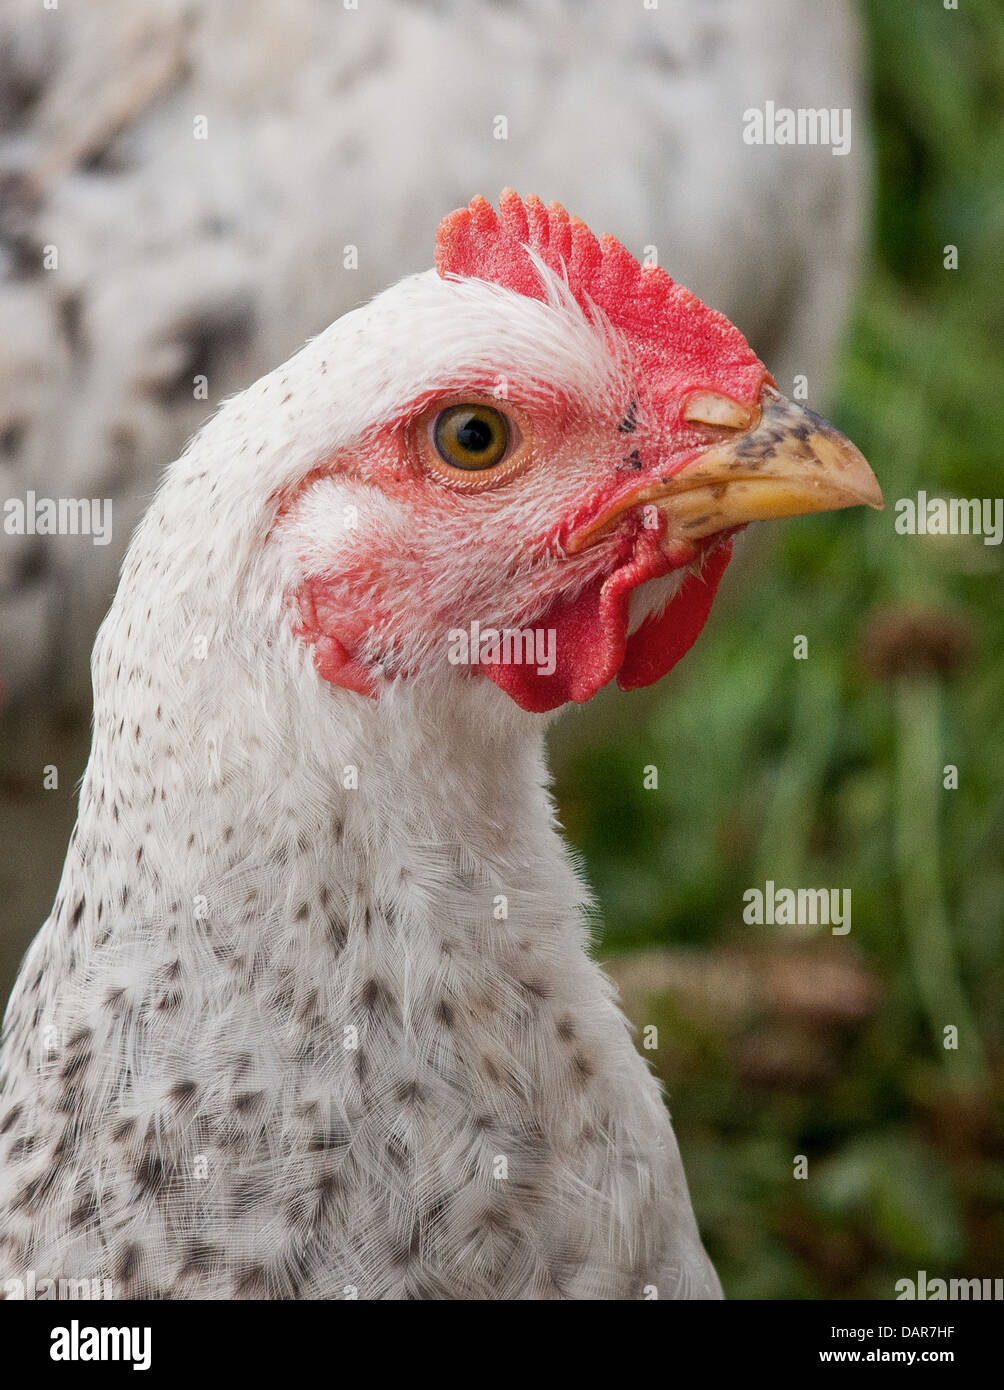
471 436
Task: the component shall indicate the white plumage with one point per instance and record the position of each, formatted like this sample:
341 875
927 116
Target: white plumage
277 1037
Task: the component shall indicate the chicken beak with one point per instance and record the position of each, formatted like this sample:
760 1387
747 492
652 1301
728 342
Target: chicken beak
786 462
789 462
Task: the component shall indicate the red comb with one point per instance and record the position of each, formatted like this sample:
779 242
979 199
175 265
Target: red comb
678 339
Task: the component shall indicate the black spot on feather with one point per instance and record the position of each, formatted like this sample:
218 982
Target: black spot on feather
75 1064
128 1263
582 1067
182 1092
251 1282
374 996
245 1101
199 1258
85 1211
10 1119
150 1175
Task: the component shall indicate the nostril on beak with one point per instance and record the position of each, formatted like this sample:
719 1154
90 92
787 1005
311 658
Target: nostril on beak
712 408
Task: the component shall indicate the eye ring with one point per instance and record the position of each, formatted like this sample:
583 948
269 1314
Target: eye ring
470 442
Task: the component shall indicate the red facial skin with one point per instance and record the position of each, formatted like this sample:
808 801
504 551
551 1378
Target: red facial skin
677 346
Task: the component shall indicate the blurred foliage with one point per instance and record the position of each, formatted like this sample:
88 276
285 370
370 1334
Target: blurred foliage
821 772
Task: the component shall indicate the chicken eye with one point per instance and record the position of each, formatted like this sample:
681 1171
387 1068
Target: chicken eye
471 436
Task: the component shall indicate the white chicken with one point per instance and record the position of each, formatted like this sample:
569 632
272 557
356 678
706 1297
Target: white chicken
313 1014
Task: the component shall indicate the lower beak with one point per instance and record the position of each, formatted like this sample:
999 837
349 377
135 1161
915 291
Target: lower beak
789 462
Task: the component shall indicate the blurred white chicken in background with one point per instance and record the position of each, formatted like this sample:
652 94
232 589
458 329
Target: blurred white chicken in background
329 128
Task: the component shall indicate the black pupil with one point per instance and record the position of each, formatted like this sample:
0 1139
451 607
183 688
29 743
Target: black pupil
475 436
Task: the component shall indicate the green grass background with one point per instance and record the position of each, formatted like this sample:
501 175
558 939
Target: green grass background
829 771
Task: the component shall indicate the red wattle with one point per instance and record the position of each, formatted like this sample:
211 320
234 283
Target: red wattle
591 641
661 641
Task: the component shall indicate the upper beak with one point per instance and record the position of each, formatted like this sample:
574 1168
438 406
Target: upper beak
786 462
